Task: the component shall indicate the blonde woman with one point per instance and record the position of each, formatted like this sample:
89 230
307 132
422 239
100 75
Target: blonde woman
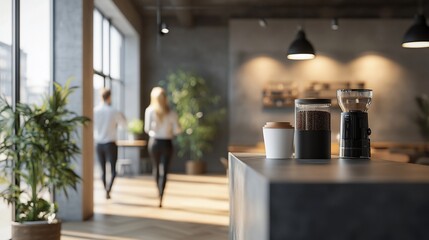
161 124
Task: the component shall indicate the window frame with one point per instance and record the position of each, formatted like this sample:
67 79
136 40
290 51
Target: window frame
108 79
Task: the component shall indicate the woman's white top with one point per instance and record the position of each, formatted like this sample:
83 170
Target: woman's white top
165 129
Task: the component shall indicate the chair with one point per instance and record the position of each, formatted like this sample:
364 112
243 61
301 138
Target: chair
125 167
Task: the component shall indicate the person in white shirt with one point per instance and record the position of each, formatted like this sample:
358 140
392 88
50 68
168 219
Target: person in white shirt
106 122
161 124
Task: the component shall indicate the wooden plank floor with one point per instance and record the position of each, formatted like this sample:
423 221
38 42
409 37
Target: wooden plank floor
194 207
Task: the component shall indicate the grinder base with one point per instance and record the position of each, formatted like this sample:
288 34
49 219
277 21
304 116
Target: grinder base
354 135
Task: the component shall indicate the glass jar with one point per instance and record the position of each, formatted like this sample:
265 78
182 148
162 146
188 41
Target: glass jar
313 128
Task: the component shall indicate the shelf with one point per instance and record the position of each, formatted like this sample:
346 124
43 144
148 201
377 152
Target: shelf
281 95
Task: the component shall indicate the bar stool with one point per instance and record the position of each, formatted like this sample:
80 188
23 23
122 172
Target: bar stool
125 167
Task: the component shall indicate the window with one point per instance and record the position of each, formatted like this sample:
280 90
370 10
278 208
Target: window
35 50
35 62
6 49
108 59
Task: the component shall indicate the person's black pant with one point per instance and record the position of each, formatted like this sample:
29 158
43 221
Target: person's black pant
107 152
160 151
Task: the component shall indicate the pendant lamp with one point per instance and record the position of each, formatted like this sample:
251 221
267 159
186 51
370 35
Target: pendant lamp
163 28
301 48
417 35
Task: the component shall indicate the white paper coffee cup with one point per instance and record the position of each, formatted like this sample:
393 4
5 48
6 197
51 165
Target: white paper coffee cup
278 140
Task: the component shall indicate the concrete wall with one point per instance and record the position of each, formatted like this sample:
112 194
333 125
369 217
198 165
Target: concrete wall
204 50
361 50
73 59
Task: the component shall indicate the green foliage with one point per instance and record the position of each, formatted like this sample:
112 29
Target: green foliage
198 110
422 118
135 126
38 145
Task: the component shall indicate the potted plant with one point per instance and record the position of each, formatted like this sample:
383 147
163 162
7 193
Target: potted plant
422 118
38 146
199 116
135 128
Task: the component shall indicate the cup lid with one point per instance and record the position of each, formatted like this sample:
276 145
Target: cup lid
278 125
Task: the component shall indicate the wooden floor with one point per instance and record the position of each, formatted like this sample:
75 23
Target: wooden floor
194 207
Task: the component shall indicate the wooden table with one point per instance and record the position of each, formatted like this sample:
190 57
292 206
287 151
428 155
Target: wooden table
131 143
413 150
326 199
126 165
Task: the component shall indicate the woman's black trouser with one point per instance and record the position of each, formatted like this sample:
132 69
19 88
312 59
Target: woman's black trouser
160 151
107 152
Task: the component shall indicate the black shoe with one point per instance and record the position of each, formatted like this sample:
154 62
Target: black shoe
107 195
160 202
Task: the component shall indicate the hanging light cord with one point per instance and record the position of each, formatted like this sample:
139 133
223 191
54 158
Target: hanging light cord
421 7
158 24
158 13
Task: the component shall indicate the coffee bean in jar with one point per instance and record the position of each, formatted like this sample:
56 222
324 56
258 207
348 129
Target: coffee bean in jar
313 128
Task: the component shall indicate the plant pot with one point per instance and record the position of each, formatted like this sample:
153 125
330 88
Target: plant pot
40 230
133 136
195 167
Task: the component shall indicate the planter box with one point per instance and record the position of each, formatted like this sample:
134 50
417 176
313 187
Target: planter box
39 230
194 167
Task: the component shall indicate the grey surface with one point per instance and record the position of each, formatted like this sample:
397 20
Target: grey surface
334 170
68 64
203 50
335 200
361 50
248 215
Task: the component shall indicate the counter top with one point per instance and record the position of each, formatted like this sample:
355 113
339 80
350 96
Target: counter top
326 199
333 170
392 151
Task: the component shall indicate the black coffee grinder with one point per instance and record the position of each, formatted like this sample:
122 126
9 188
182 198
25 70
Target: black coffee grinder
354 132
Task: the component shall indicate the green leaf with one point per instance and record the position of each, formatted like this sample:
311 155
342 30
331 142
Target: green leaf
422 117
43 150
191 94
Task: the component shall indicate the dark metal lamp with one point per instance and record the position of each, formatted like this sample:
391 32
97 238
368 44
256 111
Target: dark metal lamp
301 48
417 35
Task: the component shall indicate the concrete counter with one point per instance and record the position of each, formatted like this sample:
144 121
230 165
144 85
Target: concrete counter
327 199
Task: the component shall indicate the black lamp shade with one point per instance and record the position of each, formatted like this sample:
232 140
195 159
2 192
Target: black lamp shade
417 35
301 48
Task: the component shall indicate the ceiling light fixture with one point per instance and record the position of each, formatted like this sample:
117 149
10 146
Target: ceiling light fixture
163 28
417 35
301 48
263 22
334 24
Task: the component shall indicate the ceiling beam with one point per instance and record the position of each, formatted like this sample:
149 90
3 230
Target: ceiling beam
373 11
184 16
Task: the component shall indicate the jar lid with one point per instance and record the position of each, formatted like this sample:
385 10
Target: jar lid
354 90
312 101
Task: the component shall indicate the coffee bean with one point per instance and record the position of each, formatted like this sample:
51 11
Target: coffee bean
313 121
